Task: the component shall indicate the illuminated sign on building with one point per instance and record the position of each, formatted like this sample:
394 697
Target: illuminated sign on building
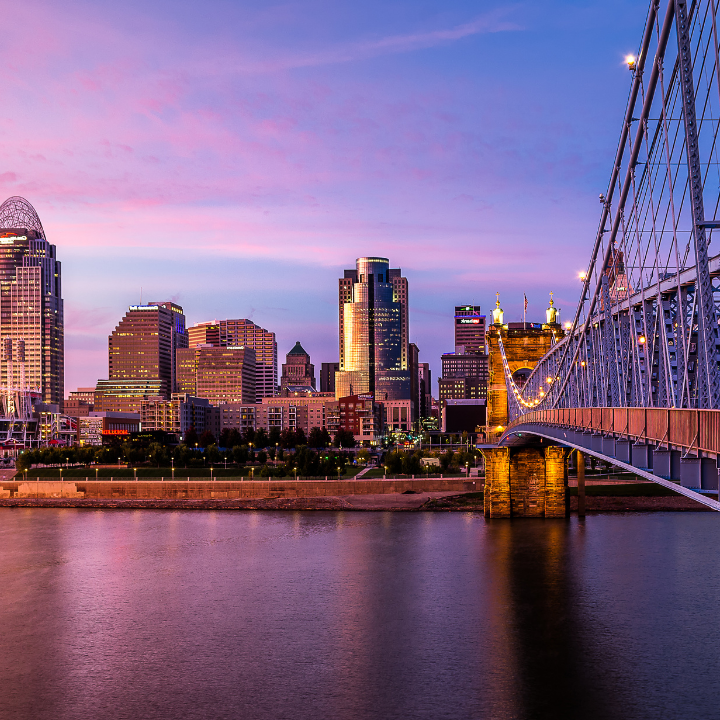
468 321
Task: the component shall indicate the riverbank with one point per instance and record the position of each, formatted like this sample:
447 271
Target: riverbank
605 499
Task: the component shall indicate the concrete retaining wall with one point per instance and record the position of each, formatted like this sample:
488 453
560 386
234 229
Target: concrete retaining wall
224 489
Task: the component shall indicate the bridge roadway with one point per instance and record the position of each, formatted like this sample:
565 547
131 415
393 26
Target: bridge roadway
677 448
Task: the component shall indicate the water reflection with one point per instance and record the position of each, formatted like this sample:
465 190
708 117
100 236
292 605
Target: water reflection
113 614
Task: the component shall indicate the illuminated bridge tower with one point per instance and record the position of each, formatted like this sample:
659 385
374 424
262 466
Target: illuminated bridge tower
520 481
524 344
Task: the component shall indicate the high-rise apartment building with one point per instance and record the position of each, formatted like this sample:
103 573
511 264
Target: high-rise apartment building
218 374
243 333
469 330
374 330
141 354
31 306
297 370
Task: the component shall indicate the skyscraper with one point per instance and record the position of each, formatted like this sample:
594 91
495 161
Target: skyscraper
141 356
469 330
327 376
31 306
218 374
243 333
465 371
374 347
297 370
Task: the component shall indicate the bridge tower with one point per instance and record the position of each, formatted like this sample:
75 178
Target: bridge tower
525 344
521 481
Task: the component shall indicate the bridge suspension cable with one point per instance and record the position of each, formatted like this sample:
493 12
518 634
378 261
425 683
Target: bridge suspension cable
645 332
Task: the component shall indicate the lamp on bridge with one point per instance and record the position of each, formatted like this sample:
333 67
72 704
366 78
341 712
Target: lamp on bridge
497 312
552 314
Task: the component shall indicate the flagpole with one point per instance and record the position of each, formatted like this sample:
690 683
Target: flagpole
524 310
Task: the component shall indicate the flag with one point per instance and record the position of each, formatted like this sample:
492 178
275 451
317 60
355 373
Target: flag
525 296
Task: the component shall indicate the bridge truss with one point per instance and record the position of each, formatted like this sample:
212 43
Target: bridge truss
635 379
645 332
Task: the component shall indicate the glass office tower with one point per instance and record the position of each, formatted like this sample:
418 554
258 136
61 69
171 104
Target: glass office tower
31 306
374 348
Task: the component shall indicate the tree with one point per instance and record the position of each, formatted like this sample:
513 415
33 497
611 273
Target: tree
274 437
230 437
287 439
316 439
212 454
262 457
363 456
261 438
181 454
240 454
157 454
344 438
191 437
327 440
207 438
300 438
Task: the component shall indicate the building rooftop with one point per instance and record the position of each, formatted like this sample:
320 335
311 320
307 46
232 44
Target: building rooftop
298 350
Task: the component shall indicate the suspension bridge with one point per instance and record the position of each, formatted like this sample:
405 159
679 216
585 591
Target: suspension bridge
635 378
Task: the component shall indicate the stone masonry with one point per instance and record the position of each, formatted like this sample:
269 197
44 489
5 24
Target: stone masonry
525 482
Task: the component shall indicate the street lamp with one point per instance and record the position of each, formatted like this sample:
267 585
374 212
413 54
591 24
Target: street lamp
211 475
172 467
135 473
295 471
467 467
96 473
61 473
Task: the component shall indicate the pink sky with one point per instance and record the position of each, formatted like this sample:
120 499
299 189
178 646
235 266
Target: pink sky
235 157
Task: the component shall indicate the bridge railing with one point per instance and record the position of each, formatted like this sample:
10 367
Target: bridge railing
686 429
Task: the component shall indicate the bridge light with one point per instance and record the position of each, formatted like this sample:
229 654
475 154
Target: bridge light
630 61
582 276
641 339
583 363
549 380
568 325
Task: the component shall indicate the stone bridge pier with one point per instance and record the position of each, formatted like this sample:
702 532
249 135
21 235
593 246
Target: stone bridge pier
526 482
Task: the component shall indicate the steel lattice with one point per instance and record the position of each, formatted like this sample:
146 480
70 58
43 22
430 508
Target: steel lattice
645 333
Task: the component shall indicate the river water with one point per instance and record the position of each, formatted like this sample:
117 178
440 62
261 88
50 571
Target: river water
351 616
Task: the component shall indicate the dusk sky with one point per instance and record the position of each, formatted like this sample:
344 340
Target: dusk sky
235 156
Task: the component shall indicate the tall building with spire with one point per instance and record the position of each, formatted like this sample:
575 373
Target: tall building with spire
31 306
374 332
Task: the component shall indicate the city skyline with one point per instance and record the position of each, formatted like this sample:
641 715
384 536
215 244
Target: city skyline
308 136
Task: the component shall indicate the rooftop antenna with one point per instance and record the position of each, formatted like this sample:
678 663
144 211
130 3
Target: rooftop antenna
141 294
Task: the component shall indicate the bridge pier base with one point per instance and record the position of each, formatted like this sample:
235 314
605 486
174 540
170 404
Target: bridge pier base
608 446
699 473
623 451
642 456
666 464
525 482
